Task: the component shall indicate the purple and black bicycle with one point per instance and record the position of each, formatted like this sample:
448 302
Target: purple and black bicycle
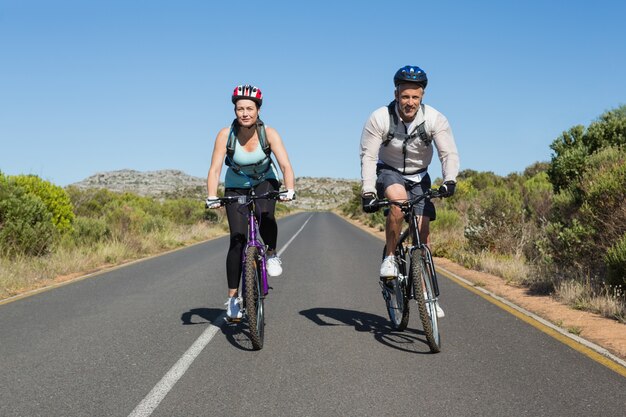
254 286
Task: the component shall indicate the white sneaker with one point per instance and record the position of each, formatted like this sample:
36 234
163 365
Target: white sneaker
233 309
389 268
440 313
438 309
274 266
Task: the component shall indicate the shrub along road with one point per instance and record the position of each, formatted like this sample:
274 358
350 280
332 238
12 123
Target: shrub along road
100 345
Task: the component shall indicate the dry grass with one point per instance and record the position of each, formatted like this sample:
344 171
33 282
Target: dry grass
26 273
609 302
512 270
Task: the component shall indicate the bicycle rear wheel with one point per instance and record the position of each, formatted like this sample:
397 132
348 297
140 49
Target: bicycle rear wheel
395 295
425 298
254 298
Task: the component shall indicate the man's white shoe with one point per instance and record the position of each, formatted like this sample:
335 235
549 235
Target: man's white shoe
274 266
389 268
440 313
233 309
438 309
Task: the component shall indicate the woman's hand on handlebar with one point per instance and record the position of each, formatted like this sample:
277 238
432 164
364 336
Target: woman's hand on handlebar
287 195
212 202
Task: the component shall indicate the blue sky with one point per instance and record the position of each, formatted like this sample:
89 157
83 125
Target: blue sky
92 86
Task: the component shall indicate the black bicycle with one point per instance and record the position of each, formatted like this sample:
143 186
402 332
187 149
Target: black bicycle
416 278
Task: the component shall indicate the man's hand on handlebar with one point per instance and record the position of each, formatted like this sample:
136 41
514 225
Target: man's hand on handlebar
447 189
368 201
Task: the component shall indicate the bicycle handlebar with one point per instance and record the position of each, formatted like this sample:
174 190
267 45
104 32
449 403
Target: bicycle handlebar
408 204
246 199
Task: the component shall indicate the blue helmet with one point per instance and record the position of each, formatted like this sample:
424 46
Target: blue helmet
410 74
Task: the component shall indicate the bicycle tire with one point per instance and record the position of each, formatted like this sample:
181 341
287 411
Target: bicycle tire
395 295
254 298
428 314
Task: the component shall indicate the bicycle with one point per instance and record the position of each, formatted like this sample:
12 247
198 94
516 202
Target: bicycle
420 283
254 285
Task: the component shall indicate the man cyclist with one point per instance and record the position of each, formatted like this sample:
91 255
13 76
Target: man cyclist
394 164
245 146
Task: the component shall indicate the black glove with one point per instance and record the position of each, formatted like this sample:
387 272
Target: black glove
447 189
368 201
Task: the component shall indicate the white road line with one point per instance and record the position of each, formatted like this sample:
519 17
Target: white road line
294 236
161 389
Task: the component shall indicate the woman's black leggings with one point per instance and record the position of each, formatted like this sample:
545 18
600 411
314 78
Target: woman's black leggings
238 224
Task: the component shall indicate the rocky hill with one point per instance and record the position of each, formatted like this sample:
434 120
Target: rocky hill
312 193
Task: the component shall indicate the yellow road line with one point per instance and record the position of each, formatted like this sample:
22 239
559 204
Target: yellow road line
589 349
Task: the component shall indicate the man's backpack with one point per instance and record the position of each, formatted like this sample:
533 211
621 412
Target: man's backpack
230 150
420 131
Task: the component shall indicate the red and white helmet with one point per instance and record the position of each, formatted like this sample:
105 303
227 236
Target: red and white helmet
249 92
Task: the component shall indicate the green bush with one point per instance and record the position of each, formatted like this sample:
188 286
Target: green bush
446 220
352 207
124 219
54 198
184 211
152 224
495 224
537 195
603 189
573 147
211 216
377 219
26 225
616 263
569 248
589 217
88 231
90 202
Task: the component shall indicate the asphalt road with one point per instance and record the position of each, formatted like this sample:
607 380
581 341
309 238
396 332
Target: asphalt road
150 339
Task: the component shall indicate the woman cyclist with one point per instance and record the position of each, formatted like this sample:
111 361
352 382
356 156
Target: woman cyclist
243 148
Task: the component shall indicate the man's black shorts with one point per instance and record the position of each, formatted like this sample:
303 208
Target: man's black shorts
387 177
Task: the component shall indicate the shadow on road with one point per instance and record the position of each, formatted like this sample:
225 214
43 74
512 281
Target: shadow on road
236 333
409 340
207 315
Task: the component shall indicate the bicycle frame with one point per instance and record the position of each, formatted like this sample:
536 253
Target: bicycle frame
254 239
412 231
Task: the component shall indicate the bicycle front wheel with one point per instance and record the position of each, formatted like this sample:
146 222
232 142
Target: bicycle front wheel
395 295
254 298
425 298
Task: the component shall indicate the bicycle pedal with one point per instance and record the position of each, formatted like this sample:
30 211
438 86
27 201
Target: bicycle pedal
231 320
388 279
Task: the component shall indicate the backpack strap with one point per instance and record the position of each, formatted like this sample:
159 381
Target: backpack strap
393 122
424 136
260 129
230 150
230 144
420 131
